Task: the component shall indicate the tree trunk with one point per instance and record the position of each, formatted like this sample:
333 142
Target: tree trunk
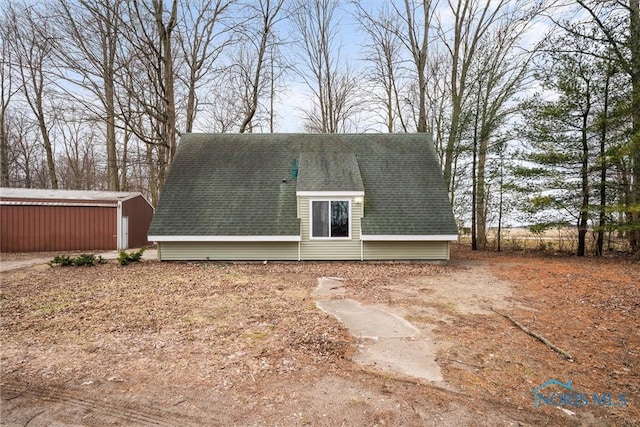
4 156
419 51
631 65
451 143
191 102
603 164
584 172
474 190
46 140
112 155
124 162
272 94
109 44
457 89
500 206
634 44
252 103
152 174
5 98
390 105
481 200
329 76
169 95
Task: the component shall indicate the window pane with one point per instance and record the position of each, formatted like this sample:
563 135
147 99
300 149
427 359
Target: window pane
320 220
340 219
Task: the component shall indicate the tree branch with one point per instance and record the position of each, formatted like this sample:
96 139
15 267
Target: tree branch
537 336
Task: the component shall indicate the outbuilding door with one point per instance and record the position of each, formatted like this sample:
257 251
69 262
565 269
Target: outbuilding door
125 232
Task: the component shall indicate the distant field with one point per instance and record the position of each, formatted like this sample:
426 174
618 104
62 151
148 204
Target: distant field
563 239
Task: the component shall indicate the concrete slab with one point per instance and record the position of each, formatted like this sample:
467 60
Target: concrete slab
368 321
328 287
415 358
15 265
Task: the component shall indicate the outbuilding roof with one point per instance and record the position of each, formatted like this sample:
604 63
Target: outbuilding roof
48 196
246 184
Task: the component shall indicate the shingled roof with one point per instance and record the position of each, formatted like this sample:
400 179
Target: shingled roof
245 184
329 171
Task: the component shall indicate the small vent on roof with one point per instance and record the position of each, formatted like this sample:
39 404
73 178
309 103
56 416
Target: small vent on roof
294 169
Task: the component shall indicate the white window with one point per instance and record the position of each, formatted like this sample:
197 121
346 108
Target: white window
331 219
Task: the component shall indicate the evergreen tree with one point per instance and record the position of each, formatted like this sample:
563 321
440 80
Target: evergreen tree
566 147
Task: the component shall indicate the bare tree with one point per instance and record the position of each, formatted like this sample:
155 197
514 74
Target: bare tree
165 26
202 37
384 54
9 88
438 103
89 49
498 72
417 19
148 81
472 19
77 160
24 151
267 13
333 87
33 42
223 108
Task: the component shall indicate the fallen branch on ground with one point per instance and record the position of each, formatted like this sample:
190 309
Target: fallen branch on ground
536 336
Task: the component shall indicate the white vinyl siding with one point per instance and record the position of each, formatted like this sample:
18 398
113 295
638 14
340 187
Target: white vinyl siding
228 251
323 249
406 250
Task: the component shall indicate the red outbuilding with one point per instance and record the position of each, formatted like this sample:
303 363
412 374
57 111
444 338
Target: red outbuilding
34 220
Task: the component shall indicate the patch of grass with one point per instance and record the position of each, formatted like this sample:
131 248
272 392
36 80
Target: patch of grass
252 336
55 308
198 320
451 308
422 319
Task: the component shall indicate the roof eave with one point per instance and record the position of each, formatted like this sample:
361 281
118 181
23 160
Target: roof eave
177 238
413 238
304 193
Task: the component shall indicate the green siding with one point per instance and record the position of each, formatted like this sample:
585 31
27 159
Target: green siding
406 250
329 249
228 251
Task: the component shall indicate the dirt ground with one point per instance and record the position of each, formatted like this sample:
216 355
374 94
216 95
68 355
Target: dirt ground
244 344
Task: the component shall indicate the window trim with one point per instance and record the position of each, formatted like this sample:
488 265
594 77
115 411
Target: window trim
311 236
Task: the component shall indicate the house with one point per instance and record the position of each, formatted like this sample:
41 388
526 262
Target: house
34 220
304 197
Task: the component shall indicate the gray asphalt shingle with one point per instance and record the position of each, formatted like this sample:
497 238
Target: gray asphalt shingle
329 171
242 185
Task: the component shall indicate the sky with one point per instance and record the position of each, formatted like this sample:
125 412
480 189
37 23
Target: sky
352 40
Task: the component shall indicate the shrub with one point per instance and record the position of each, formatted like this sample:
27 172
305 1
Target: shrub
125 258
62 260
81 260
84 259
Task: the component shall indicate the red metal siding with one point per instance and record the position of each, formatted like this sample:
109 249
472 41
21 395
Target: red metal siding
57 228
140 214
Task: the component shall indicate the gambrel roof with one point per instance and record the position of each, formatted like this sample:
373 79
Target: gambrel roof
247 184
